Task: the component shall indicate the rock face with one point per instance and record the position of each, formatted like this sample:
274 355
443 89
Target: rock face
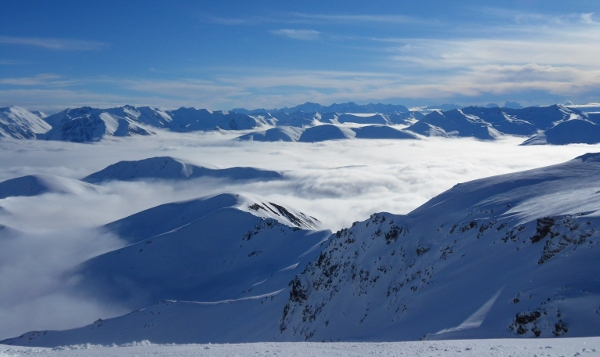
508 256
168 168
19 123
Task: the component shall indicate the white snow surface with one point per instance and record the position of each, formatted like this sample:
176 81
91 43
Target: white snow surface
588 346
20 123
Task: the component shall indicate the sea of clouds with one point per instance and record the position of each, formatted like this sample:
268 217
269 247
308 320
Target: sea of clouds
338 182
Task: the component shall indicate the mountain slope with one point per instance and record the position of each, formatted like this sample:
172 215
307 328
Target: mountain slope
382 132
217 248
575 131
325 132
88 124
488 123
19 123
282 133
168 168
191 119
454 123
512 255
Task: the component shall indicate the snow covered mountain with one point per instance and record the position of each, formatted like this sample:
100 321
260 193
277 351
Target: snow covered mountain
508 256
488 123
349 107
382 132
575 131
210 249
32 185
20 123
301 119
379 118
281 133
454 123
191 119
88 124
327 132
168 168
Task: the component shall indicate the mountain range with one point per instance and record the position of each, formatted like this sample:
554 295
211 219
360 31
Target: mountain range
556 124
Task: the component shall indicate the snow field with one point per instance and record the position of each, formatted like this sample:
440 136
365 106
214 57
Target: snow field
589 346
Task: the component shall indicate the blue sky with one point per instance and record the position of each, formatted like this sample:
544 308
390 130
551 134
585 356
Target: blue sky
227 54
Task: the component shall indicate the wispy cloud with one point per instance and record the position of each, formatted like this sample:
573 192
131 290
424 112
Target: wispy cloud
45 79
236 21
54 43
358 19
306 35
324 19
509 61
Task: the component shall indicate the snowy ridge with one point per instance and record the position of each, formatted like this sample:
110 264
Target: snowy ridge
325 132
87 124
282 133
32 185
191 119
209 249
168 168
171 216
489 123
574 131
16 122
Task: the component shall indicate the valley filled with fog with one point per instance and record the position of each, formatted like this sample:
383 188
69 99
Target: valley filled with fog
337 182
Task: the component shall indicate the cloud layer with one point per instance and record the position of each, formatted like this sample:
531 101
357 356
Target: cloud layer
338 182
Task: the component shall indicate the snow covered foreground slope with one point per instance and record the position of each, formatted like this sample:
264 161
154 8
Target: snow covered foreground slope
512 255
507 256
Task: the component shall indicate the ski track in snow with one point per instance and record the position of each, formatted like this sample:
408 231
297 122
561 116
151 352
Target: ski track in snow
589 346
476 319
